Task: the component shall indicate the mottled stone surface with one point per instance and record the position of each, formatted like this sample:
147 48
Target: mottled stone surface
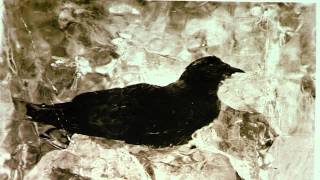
102 159
54 50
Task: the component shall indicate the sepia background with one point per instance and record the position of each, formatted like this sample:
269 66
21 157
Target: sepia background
53 50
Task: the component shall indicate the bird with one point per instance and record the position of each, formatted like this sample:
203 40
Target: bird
144 114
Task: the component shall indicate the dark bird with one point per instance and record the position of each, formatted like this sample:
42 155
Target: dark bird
143 113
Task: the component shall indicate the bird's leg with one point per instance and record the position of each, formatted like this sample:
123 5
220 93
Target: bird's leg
56 137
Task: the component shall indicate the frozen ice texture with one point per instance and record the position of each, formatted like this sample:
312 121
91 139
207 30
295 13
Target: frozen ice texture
54 50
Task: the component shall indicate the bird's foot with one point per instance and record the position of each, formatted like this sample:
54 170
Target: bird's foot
58 138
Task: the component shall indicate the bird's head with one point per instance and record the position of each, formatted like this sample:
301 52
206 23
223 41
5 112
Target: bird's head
208 72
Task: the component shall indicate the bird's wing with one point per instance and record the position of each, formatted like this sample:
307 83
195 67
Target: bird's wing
137 93
112 113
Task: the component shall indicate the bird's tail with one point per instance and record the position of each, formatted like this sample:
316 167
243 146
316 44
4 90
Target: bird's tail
42 113
48 114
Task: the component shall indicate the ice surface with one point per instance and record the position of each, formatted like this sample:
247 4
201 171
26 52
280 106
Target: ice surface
54 50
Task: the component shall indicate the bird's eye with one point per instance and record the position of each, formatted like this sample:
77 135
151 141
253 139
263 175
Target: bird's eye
224 66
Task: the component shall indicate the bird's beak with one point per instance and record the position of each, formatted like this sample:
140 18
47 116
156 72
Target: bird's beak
232 70
235 70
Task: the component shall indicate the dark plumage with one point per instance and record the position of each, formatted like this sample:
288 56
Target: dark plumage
144 113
